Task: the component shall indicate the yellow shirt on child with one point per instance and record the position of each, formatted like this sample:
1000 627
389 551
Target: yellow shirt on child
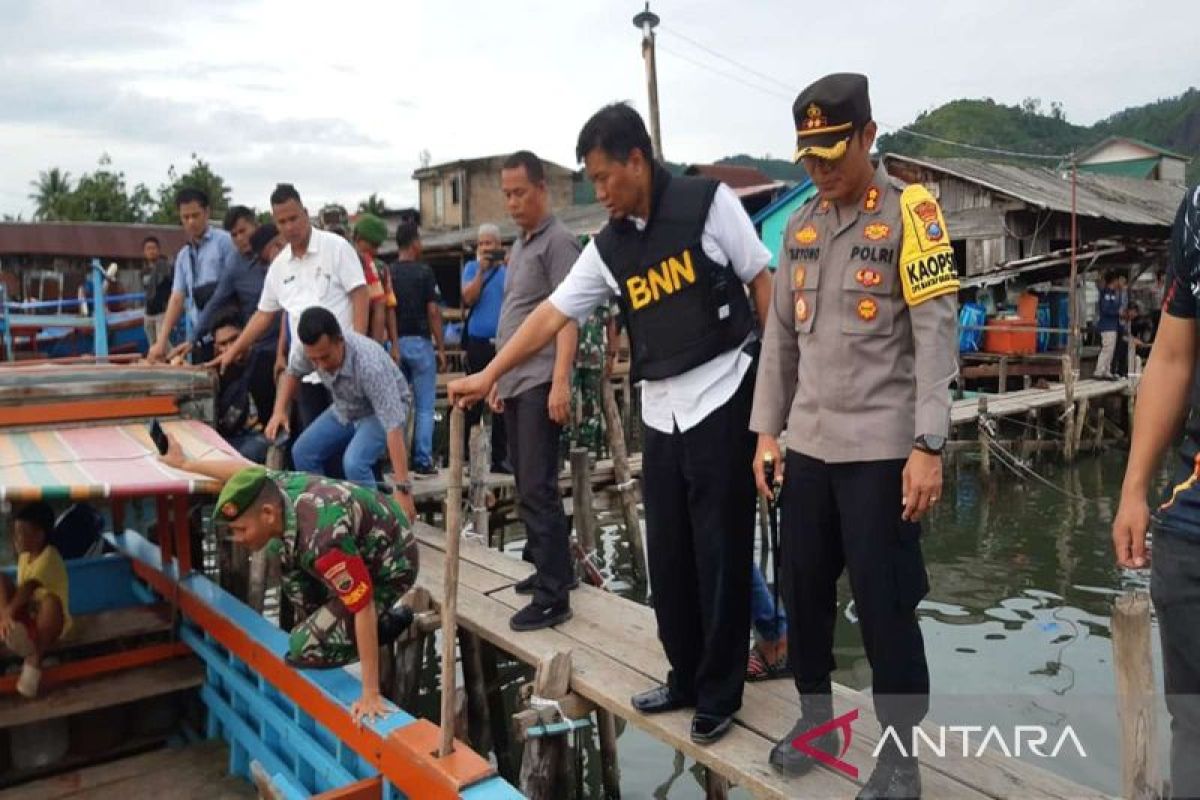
48 570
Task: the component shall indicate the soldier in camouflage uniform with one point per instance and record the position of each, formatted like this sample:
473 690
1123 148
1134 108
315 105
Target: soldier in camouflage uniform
587 421
347 555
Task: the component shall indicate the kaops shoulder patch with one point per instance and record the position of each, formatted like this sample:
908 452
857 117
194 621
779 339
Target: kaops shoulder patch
927 268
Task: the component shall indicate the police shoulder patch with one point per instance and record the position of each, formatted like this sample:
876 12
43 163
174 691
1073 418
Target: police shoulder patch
927 268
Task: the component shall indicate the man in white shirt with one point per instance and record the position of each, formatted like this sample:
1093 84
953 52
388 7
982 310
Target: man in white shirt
316 268
677 254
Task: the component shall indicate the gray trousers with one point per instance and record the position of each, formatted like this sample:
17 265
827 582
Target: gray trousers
1175 589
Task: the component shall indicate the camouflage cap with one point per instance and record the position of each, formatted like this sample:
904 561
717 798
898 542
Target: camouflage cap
240 492
371 229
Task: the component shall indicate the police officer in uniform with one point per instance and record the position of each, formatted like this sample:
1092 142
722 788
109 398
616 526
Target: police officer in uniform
678 254
859 351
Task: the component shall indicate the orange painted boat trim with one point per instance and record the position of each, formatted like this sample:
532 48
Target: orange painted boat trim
101 665
88 411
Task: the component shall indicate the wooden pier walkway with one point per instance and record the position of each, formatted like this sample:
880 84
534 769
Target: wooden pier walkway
1020 402
615 653
433 487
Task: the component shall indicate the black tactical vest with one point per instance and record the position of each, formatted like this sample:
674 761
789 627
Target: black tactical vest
680 307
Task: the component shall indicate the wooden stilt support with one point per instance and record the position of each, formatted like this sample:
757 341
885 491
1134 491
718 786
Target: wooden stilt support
625 483
497 713
542 766
1068 409
480 464
410 650
1099 441
1080 418
1136 707
582 502
610 769
478 723
985 454
716 786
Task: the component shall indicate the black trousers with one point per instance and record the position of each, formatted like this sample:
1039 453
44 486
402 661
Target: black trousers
533 451
837 516
698 490
480 353
1175 589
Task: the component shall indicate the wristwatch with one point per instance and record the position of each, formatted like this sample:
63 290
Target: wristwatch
403 486
930 443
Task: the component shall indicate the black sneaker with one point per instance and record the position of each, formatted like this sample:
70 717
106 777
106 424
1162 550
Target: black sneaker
534 617
426 470
708 728
393 623
893 779
792 761
527 585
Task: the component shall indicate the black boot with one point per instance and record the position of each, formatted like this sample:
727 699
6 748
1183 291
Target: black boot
894 778
815 710
393 623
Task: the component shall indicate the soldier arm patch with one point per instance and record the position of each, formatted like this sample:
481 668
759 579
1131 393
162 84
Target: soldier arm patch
927 267
348 577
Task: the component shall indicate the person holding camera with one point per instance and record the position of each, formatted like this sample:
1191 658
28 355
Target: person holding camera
483 294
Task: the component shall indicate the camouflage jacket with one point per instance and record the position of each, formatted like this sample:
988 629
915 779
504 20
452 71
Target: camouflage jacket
342 540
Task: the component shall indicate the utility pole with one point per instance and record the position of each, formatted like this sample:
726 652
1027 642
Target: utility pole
646 21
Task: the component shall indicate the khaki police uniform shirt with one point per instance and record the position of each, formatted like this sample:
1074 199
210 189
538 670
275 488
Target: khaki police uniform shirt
861 341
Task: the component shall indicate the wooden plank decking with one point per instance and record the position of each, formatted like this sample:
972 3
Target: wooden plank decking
1009 403
198 772
615 653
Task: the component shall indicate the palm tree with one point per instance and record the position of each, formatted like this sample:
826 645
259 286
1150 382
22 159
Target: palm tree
53 192
373 205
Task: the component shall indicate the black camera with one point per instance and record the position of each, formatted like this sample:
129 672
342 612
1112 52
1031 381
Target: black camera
496 256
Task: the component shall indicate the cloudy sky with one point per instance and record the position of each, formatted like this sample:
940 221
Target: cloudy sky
341 97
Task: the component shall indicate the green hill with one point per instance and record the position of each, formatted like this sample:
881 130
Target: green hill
1173 123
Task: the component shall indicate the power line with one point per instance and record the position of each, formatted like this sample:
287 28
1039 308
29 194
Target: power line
722 73
894 128
739 65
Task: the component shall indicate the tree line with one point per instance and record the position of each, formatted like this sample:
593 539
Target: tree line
104 195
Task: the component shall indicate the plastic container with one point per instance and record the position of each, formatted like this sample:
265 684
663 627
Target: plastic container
971 314
1010 336
1043 321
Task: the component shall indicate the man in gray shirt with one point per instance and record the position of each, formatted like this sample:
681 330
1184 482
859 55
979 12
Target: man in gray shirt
370 403
535 397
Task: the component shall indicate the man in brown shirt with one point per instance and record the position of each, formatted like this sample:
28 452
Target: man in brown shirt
859 351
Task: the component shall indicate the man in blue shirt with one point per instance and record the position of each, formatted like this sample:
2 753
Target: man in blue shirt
1108 324
241 285
199 265
483 293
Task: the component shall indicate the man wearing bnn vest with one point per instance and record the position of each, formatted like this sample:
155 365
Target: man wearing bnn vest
679 254
860 348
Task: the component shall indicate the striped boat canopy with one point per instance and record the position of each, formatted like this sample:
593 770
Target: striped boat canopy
103 461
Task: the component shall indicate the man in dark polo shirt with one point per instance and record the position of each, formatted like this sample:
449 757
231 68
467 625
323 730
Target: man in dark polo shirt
419 327
535 396
1168 401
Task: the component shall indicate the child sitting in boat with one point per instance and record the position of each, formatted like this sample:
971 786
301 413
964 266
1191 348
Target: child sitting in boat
34 613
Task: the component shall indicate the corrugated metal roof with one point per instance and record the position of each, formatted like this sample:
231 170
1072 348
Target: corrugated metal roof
1134 202
85 239
734 176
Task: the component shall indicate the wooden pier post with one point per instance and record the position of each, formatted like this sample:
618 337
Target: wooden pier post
1080 420
610 769
625 483
478 722
542 765
497 714
480 463
1136 707
985 453
449 608
716 786
582 502
410 648
1068 415
1099 443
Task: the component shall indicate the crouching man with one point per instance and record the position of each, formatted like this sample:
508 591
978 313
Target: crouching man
347 556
